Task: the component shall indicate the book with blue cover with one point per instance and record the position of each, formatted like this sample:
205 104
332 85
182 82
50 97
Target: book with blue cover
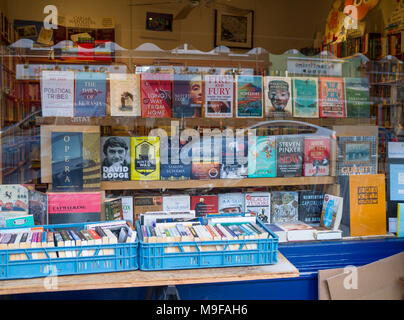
90 97
305 97
171 165
234 163
261 157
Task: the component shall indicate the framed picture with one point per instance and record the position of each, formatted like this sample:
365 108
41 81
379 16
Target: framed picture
159 21
234 30
358 152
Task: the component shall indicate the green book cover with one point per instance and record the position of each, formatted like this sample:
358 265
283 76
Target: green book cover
357 97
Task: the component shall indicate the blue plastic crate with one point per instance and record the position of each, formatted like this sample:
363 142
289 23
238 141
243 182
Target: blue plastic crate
232 253
124 258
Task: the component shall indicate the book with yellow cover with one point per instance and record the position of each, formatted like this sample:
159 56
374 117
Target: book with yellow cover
145 158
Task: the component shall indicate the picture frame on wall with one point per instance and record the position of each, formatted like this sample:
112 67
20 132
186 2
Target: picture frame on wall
156 21
234 30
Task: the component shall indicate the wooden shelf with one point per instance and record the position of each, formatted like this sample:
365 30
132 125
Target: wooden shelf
216 183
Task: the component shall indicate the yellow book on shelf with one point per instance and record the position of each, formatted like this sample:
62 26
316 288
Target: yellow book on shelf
145 158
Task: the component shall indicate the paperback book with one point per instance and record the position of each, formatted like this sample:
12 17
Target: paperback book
90 95
156 96
176 203
298 231
278 97
206 159
317 151
331 97
219 96
259 204
310 206
231 203
14 197
113 209
145 158
284 206
234 163
125 94
249 97
357 97
305 97
149 203
331 212
289 155
204 205
187 96
172 166
261 156
115 158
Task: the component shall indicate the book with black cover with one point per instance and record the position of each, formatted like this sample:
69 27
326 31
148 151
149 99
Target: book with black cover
310 205
289 155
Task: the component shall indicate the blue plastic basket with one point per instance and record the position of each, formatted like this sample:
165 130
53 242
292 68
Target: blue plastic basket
251 252
124 258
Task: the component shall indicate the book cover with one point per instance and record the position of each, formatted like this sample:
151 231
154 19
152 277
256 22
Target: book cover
219 96
172 166
259 204
289 155
278 97
204 205
149 203
38 206
57 93
281 233
205 170
298 231
357 155
249 97
396 180
156 95
115 158
125 94
14 197
187 95
145 158
90 94
331 212
317 151
305 97
234 163
400 220
177 203
261 157
357 97
331 97
231 203
284 206
127 208
113 209
206 159
75 207
310 206
91 161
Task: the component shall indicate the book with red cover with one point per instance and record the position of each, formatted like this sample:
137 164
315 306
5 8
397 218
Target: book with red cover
156 95
316 156
331 97
205 204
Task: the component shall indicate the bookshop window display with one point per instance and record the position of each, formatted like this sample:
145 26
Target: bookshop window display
232 147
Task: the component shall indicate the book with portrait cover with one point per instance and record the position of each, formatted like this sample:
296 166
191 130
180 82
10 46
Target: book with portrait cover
284 206
187 95
77 207
234 163
145 158
305 97
156 95
204 205
317 151
357 97
231 202
259 204
357 155
219 96
289 155
331 97
278 97
57 93
90 94
125 94
171 165
310 205
14 197
115 158
249 97
261 157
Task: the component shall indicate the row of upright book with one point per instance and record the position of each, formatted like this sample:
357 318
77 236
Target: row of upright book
166 95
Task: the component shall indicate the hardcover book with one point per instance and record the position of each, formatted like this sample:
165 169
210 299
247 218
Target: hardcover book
298 231
357 155
125 94
317 151
357 97
143 204
249 97
145 158
331 212
261 156
172 166
205 170
219 96
113 209
57 90
177 203
310 206
115 157
204 205
305 95
289 155
284 206
156 95
231 203
331 97
278 97
14 197
76 207
90 95
234 163
259 204
205 159
187 96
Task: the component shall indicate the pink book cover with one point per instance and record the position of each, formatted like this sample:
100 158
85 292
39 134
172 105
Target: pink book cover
156 92
316 156
331 97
